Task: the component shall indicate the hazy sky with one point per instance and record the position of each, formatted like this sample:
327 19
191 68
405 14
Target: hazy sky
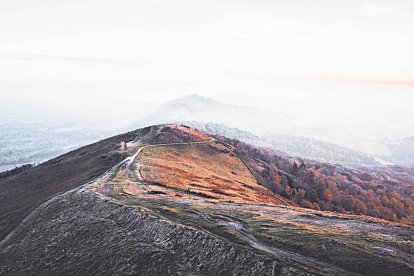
181 39
95 59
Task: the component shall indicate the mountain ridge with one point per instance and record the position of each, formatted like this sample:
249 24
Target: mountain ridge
178 201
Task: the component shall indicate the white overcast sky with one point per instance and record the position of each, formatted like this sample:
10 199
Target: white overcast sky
178 39
91 57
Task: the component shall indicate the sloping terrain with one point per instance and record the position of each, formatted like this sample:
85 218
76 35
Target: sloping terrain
184 203
382 192
21 193
86 234
207 169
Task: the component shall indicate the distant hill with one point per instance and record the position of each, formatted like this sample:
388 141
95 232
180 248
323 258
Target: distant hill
202 109
401 152
31 142
294 146
240 122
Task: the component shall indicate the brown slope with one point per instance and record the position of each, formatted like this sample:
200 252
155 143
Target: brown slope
208 170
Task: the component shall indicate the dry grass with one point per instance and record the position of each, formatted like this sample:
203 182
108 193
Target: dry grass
191 133
206 170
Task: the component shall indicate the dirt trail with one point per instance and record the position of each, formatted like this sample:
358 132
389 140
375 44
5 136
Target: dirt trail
111 172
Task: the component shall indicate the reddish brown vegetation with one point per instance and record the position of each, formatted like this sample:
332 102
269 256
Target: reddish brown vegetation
206 170
386 193
187 134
